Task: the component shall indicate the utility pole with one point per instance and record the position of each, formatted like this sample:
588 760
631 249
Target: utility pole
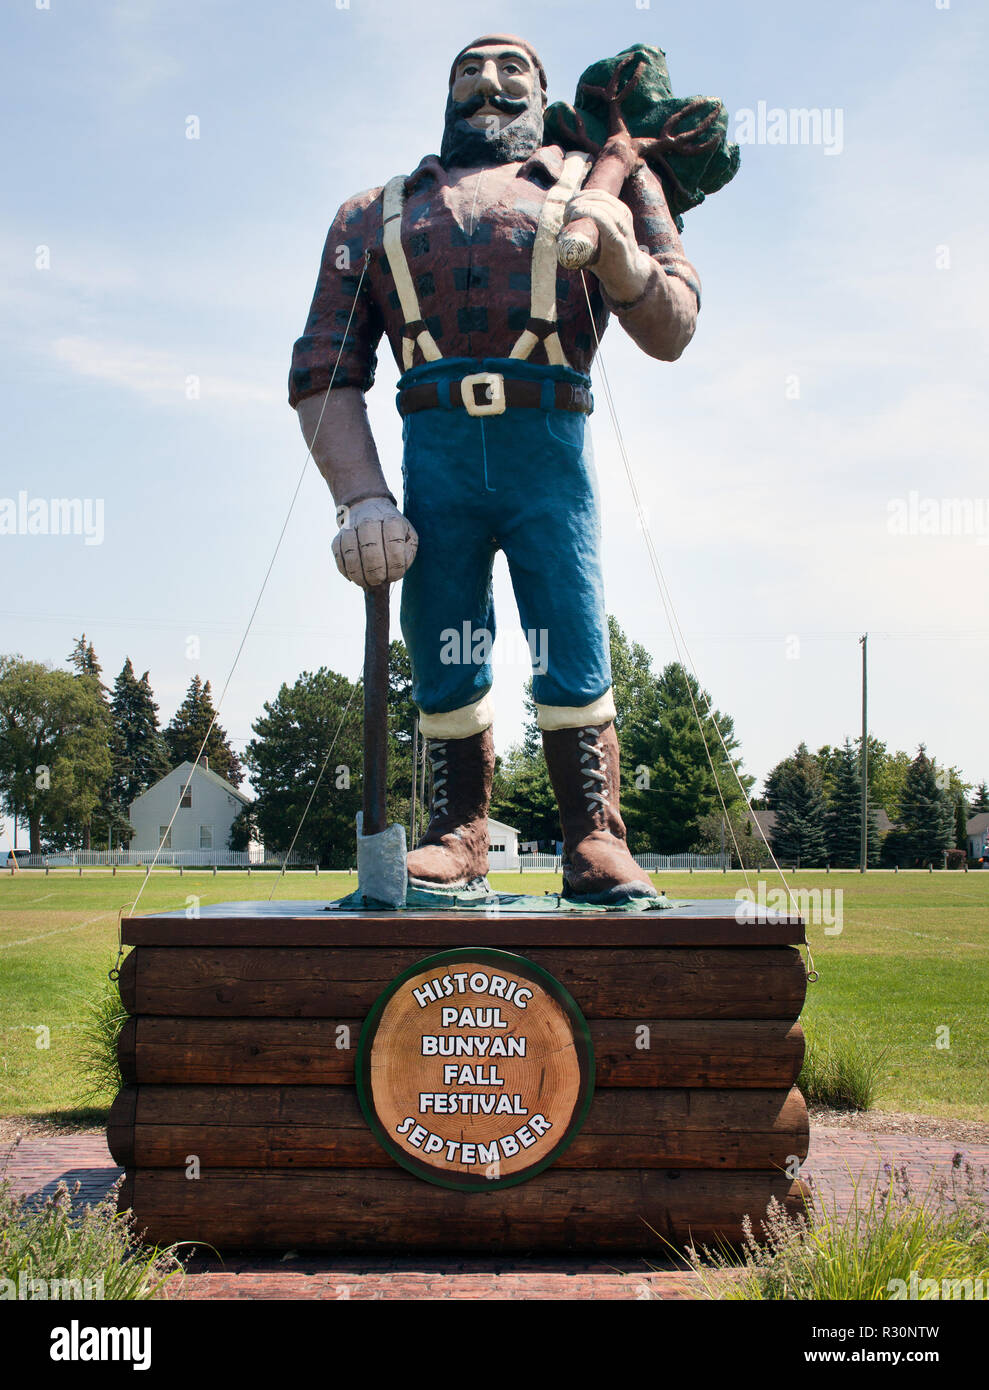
864 760
423 760
415 780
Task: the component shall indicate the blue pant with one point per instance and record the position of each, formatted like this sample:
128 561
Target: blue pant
522 482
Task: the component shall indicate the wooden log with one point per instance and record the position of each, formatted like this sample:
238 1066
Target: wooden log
127 1051
313 982
667 1053
127 982
322 1126
697 1052
121 1124
390 1209
231 924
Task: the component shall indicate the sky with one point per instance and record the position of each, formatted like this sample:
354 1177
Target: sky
812 469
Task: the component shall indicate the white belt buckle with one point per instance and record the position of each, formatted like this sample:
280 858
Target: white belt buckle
495 404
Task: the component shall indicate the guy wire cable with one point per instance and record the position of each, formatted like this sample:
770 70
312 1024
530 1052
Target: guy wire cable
675 629
298 831
115 972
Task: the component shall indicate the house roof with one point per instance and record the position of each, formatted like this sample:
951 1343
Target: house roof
200 771
978 823
767 819
500 825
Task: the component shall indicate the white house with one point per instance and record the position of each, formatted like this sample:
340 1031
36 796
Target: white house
977 831
203 820
503 845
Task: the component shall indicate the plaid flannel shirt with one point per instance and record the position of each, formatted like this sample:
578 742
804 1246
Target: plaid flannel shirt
470 264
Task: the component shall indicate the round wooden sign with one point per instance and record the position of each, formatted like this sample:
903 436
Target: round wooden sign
475 1069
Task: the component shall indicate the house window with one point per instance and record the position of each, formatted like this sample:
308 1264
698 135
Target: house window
186 802
205 837
165 836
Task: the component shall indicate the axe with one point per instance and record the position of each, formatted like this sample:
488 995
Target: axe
381 848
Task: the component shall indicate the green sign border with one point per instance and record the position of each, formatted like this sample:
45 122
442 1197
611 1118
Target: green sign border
585 1051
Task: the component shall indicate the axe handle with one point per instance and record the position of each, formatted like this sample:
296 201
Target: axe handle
375 709
578 243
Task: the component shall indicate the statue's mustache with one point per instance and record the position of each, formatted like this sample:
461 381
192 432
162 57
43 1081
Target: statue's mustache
461 110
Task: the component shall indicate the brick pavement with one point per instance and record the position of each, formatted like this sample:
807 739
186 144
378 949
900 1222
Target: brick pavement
838 1160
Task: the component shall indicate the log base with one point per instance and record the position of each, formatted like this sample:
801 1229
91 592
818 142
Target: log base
634 1212
240 1125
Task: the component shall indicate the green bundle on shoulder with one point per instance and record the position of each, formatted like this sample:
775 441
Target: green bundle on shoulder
688 146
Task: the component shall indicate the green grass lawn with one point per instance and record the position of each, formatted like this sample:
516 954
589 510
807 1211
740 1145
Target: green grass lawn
911 958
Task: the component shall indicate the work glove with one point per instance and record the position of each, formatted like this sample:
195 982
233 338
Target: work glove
375 543
622 266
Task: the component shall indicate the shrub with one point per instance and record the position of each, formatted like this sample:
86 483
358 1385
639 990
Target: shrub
957 859
884 1247
90 1253
840 1072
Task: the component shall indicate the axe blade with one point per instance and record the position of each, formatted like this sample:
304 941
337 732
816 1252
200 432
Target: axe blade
382 878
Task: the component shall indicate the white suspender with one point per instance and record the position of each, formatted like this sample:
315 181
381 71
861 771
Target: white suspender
415 330
542 311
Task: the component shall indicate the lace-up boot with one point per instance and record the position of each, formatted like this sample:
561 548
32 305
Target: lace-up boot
597 864
454 850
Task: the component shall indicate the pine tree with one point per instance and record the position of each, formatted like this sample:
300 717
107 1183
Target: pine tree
843 817
403 714
774 782
981 802
83 658
926 813
522 794
961 822
139 756
666 804
104 820
184 735
799 831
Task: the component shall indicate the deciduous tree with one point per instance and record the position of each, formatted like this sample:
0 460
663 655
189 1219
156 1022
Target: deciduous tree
292 739
54 748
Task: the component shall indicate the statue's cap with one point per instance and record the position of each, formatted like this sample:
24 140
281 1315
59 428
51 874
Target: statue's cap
514 41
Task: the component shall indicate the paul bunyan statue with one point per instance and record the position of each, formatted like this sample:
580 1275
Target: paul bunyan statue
470 266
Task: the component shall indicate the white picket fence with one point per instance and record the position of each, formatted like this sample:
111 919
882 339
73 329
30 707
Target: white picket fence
256 858
535 863
553 863
123 858
683 861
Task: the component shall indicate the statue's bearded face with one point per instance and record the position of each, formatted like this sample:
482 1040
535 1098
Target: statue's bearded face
494 113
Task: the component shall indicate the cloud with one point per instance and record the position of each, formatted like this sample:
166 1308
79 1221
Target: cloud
156 375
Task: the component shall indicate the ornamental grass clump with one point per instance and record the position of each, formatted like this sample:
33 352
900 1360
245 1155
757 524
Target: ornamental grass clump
889 1245
841 1072
51 1250
96 1052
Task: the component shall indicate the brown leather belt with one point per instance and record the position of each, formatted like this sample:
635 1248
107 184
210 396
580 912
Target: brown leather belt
489 393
